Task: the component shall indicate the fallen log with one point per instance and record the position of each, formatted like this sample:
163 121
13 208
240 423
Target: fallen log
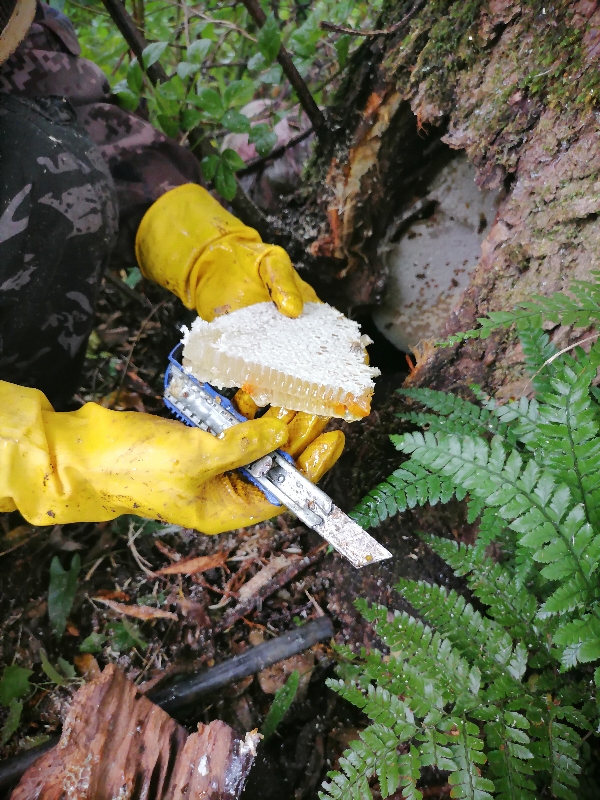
192 688
117 743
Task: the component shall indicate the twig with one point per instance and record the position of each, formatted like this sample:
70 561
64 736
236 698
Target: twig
329 26
306 99
254 166
132 348
269 588
134 38
131 293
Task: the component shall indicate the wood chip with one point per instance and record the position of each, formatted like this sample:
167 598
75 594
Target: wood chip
254 585
192 566
139 612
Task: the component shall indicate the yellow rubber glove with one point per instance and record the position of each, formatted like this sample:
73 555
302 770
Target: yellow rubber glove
94 464
189 244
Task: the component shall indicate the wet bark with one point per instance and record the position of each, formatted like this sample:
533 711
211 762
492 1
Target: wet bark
512 84
116 743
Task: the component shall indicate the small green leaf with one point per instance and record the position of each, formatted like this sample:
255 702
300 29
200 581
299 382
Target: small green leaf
235 121
197 51
125 635
153 52
210 101
134 276
135 77
12 721
63 585
256 63
173 89
232 159
50 671
284 697
14 684
169 125
209 166
185 69
190 117
269 39
225 182
92 643
238 93
127 99
342 46
263 138
272 76
67 669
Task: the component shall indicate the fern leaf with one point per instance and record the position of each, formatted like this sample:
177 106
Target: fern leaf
434 750
519 416
568 434
374 751
482 641
529 499
580 639
511 605
458 415
580 311
467 781
407 487
509 756
410 771
537 350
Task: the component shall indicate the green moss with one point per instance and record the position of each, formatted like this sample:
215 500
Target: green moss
443 41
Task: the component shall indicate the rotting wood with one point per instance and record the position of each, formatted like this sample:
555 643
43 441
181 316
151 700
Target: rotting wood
117 743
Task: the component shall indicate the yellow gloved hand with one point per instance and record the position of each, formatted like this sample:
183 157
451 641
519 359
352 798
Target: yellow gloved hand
94 464
189 244
235 503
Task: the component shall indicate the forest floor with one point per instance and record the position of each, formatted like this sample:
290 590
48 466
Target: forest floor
119 560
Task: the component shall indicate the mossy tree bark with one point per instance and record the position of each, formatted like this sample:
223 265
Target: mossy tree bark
514 84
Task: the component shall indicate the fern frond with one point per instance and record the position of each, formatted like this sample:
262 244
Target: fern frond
467 781
568 434
519 416
537 351
456 413
509 756
557 751
410 772
580 639
407 487
510 604
580 311
482 641
539 510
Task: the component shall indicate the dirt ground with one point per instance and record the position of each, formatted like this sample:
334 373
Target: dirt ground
127 357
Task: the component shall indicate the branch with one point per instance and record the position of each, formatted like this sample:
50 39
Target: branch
313 112
329 26
258 163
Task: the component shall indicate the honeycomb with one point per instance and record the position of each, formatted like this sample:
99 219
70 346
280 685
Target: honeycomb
314 363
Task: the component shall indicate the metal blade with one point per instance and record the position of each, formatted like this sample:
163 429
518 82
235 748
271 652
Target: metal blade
350 539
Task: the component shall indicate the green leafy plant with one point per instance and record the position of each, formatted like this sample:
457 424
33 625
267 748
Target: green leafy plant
14 685
61 593
284 697
218 60
498 688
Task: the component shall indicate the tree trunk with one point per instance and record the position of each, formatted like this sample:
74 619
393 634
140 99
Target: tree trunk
515 86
